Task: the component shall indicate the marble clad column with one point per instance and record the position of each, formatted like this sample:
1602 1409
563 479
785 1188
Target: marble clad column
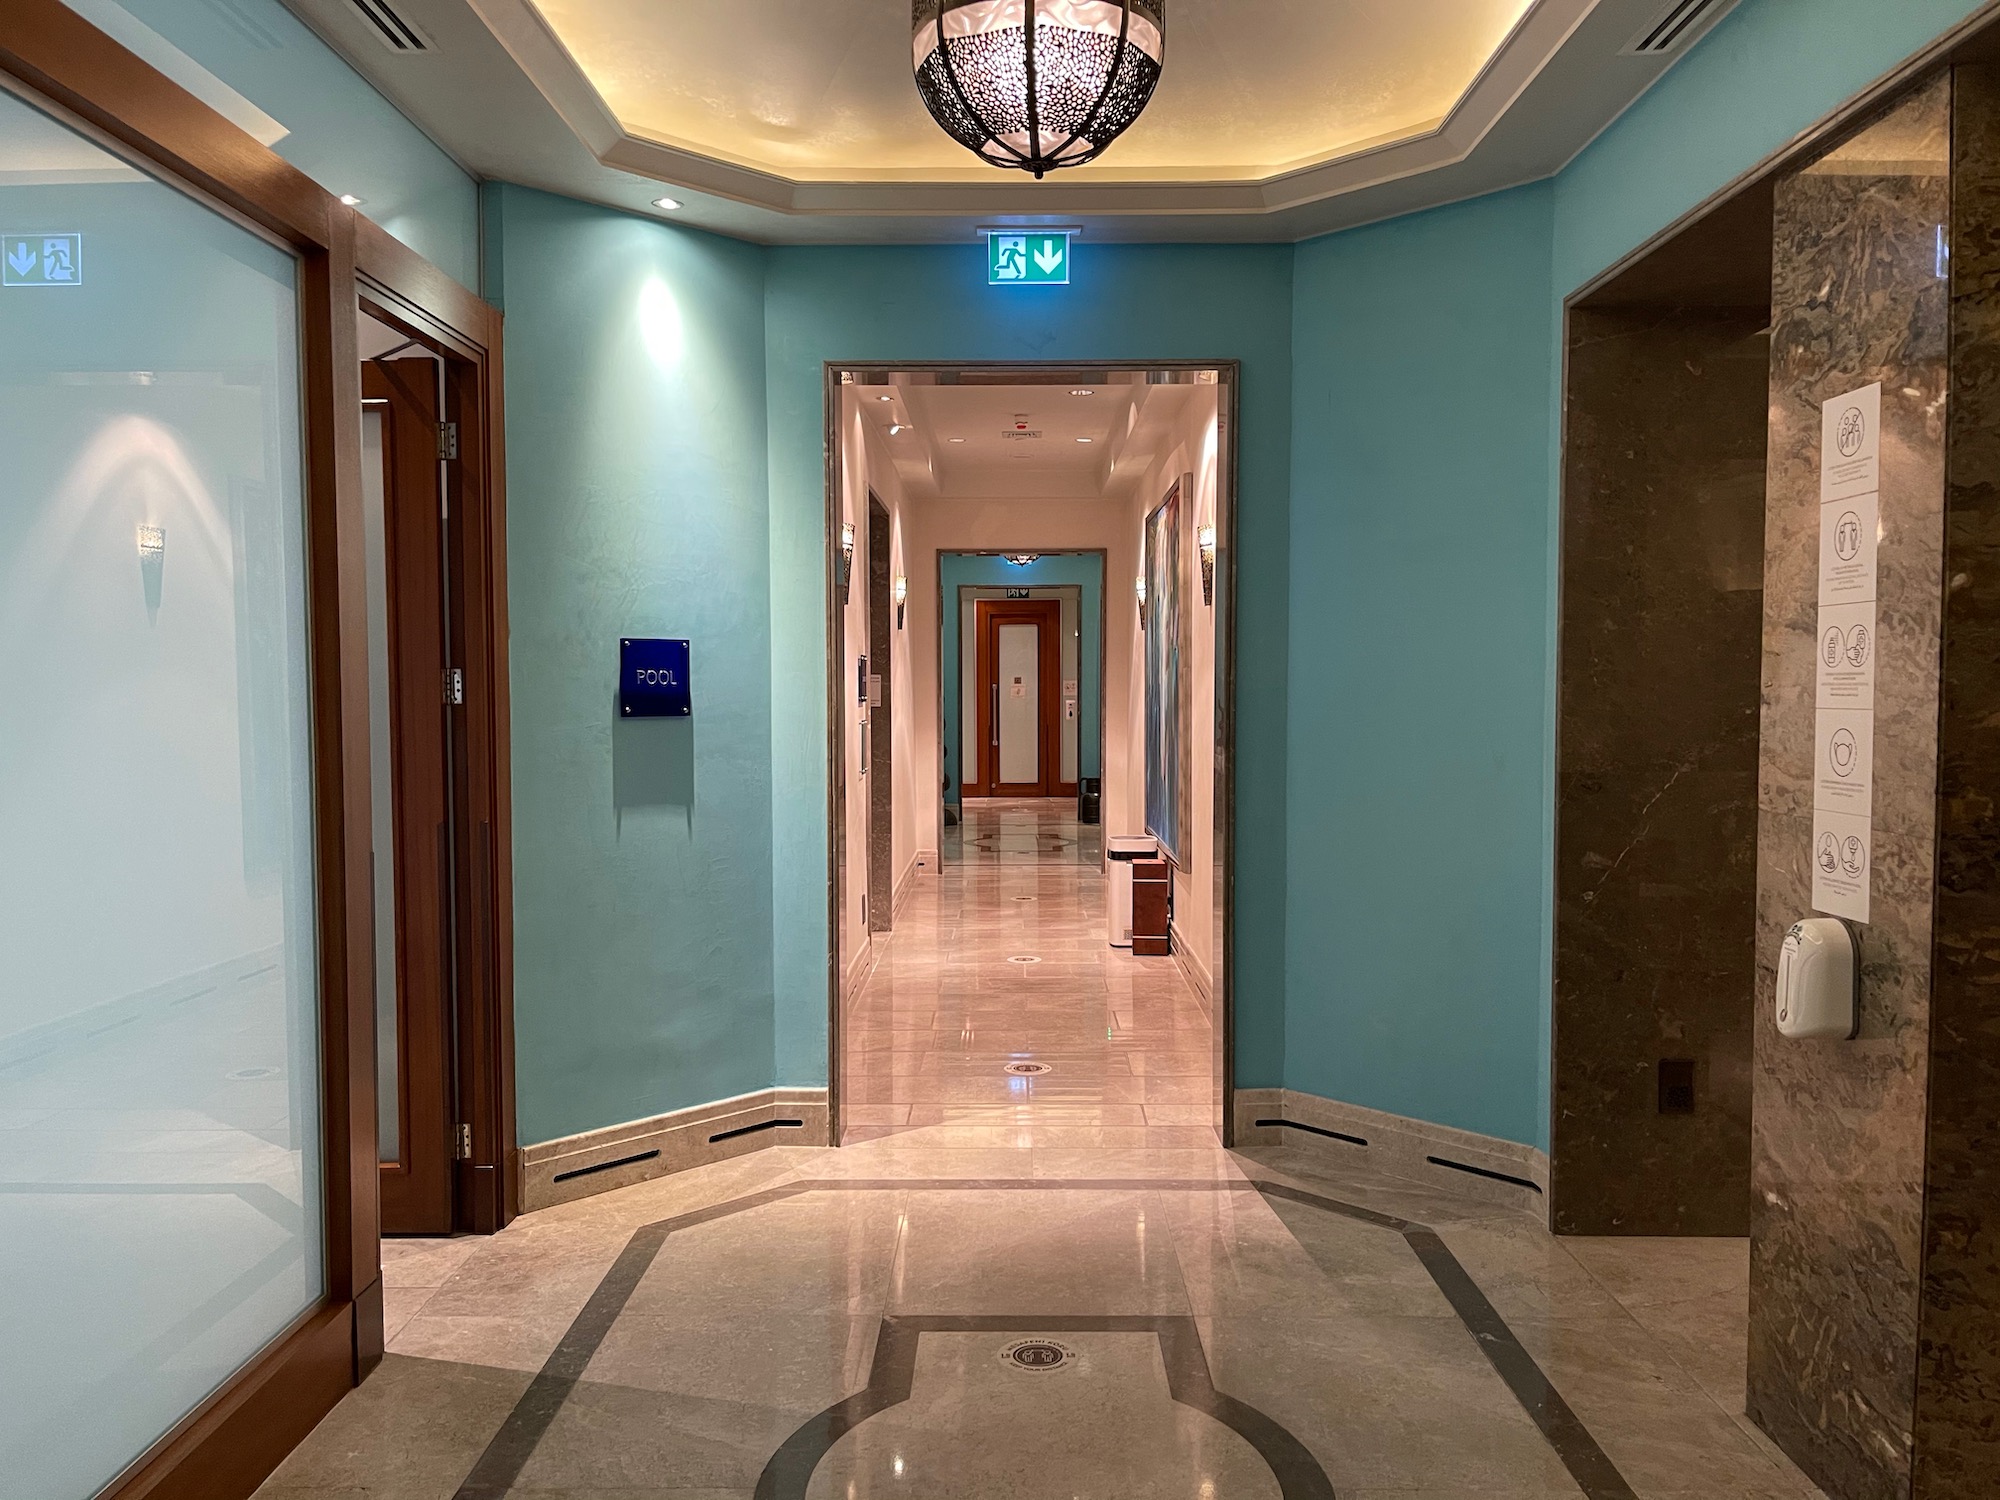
1656 843
1838 1128
1958 1357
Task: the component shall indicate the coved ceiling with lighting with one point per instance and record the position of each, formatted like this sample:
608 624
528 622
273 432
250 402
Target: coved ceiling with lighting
806 120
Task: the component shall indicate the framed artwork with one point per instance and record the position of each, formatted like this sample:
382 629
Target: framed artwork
1169 658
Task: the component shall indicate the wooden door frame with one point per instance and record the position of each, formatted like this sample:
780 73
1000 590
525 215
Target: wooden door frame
835 375
51 56
988 615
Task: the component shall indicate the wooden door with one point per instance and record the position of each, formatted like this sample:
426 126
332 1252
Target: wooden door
1020 670
412 755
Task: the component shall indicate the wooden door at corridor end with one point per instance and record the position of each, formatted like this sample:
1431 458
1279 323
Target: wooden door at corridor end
1019 663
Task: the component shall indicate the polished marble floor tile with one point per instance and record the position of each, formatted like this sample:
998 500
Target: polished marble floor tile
1052 1288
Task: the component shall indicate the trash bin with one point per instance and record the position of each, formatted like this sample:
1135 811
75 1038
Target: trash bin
1152 904
1089 798
1119 854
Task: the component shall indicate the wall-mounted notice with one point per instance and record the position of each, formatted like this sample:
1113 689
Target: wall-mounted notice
1850 485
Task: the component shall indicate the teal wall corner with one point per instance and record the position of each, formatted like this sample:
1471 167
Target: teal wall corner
339 130
1419 666
636 506
958 570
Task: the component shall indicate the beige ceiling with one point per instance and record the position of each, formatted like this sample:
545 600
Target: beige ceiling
1082 442
820 90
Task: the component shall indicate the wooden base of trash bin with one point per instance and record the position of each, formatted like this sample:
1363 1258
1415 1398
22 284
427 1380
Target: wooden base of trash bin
1152 899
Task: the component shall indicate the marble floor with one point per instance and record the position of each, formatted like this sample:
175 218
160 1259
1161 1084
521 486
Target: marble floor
1060 1290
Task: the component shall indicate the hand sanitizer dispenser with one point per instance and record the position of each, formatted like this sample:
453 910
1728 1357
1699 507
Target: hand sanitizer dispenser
1819 980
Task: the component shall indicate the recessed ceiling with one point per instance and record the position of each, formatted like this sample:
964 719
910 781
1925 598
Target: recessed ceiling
797 121
820 90
1026 442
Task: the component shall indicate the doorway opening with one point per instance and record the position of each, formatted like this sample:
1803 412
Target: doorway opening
1036 667
443 1059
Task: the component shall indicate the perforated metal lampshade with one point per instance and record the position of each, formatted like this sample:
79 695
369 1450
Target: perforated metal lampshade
1037 84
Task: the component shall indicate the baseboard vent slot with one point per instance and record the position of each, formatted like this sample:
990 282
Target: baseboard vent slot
730 1135
1459 1166
1332 1135
605 1166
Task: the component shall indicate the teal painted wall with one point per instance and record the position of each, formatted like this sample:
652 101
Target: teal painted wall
1086 570
1418 711
343 134
1400 426
1129 302
636 505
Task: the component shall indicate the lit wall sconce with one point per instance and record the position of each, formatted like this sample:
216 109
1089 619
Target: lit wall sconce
1140 583
846 559
152 543
1205 540
1022 559
152 563
901 590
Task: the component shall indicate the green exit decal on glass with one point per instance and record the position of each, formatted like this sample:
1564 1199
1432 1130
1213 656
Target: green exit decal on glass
41 260
1028 259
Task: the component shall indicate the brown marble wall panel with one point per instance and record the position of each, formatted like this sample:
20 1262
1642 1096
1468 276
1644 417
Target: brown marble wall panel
1958 1356
1838 1127
1663 564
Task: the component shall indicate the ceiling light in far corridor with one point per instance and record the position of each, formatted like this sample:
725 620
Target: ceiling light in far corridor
351 200
1022 559
671 205
958 440
1083 393
896 427
1086 440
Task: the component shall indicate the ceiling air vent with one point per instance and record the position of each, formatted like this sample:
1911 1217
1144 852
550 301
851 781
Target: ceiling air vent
389 28
1675 27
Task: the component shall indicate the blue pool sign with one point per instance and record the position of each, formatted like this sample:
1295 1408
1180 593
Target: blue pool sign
41 260
653 679
1038 257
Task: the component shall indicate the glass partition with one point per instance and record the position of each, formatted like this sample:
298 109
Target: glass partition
160 1139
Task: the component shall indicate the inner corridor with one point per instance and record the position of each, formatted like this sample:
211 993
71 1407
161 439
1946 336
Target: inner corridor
1054 1285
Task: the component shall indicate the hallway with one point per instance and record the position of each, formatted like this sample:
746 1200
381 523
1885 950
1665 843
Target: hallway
1053 1286
1002 963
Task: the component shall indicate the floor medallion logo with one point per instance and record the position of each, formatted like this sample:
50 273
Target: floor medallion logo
1037 1356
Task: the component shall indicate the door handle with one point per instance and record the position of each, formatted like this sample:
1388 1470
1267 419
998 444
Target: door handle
996 713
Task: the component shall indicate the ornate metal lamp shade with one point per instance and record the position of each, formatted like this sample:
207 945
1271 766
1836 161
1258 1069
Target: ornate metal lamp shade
1037 84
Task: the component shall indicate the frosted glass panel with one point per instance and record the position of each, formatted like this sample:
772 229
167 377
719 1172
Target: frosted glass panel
382 779
1018 667
160 1148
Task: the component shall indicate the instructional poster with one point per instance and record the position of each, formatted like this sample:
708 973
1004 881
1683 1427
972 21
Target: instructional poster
1850 487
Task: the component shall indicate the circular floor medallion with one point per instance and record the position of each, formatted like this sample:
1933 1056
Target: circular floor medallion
1024 958
246 1075
1037 1356
1028 1069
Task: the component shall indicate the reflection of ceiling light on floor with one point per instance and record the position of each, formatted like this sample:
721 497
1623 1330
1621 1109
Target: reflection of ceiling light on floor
1086 440
1083 393
958 440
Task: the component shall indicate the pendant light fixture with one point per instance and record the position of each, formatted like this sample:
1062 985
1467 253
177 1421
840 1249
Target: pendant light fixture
1037 84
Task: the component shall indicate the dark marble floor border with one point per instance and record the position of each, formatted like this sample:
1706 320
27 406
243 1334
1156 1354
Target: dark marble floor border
493 1476
789 1472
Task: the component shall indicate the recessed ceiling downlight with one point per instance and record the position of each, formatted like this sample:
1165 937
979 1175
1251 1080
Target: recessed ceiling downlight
670 205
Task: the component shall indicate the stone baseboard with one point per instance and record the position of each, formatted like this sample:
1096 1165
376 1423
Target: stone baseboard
580 1166
1482 1168
1190 966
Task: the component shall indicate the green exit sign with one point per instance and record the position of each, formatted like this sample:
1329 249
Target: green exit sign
1030 258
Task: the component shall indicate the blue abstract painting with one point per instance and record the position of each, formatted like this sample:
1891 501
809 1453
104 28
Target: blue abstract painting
1168 660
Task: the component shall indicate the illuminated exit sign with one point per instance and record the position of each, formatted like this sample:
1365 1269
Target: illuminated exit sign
1027 258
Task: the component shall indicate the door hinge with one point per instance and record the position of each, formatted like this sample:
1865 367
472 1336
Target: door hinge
447 440
464 1149
454 686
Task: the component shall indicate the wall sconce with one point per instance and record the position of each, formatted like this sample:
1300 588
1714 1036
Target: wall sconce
152 543
846 559
1021 559
1205 540
901 590
1141 585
